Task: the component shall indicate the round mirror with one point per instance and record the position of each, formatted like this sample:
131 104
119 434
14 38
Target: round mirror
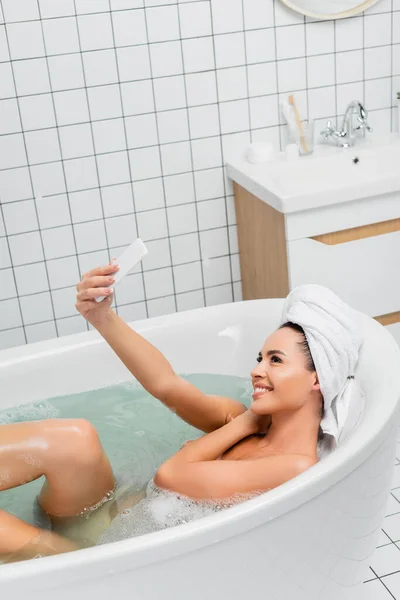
329 9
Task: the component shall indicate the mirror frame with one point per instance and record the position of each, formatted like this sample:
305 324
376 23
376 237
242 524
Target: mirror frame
363 6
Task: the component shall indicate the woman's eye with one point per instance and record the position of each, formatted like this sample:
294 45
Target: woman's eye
259 358
275 358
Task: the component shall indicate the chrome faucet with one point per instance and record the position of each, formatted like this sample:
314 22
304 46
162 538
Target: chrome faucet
346 136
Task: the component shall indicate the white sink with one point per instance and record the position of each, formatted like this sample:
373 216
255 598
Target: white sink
330 175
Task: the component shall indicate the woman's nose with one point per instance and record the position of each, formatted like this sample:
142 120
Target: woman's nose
259 371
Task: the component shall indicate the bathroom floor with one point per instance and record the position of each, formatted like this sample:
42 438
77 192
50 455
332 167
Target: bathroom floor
382 580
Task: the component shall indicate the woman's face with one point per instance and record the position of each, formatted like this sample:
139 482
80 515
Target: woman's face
281 380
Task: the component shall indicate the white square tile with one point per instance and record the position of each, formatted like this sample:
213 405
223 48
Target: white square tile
209 184
23 10
262 78
386 560
10 316
113 168
152 224
201 88
48 179
148 194
90 236
126 4
31 279
212 213
162 24
285 16
195 19
58 242
53 211
20 217
37 112
375 590
81 174
291 74
391 526
166 59
137 97
104 102
235 268
185 248
321 102
349 34
61 8
230 50
346 91
9 116
7 290
40 332
182 219
66 72
176 158
64 302
237 292
159 255
4 53
392 506
61 35
129 27
36 308
71 325
393 584
109 136
31 76
117 200
377 62
26 40
100 67
132 312
232 83
227 15
42 146
188 277
380 7
234 116
321 70
378 93
85 206
161 306
129 290
206 153
95 32
91 260
396 59
169 93
220 294
173 126
258 13
12 151
7 88
88 6
320 37
233 239
190 300
214 242
381 120
290 42
377 29
260 46
204 121
5 260
145 163
159 2
71 107
133 63
198 54
179 189
158 283
121 230
25 248
349 66
264 111
217 271
383 539
76 141
396 27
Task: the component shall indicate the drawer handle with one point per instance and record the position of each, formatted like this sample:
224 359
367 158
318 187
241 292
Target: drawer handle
358 233
389 319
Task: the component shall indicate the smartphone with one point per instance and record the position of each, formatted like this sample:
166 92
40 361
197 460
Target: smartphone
128 261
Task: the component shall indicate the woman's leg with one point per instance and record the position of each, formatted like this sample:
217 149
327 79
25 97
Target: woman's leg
67 452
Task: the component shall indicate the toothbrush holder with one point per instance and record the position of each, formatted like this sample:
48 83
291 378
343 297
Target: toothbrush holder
305 138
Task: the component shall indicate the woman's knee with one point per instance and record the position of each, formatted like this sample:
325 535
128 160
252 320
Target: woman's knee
74 439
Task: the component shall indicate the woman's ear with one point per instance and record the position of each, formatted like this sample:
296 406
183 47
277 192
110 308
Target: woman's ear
316 387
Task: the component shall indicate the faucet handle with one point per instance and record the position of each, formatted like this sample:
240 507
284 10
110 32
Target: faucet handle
330 131
363 124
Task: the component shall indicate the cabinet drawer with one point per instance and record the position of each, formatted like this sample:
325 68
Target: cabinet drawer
365 272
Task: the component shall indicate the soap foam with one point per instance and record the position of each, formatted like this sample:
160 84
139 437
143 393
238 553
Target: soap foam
28 412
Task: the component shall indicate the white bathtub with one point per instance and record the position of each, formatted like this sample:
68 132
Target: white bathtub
309 539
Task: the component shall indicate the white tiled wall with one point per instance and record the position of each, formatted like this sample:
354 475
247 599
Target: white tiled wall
116 117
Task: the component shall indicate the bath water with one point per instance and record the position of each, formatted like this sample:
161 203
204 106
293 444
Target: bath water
137 431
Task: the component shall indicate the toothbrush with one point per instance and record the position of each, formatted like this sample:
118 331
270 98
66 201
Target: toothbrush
299 124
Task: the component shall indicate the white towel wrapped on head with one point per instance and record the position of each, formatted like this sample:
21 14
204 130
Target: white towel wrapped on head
334 337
